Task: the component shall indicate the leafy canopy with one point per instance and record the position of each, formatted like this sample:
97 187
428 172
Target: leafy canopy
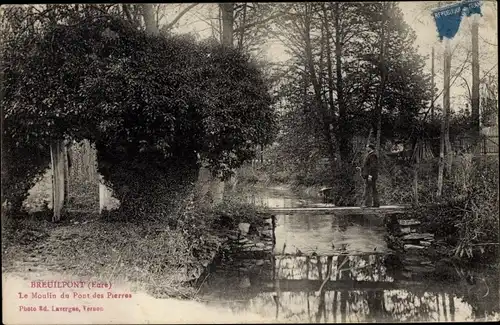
136 96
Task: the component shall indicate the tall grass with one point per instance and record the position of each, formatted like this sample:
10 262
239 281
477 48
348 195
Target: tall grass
466 215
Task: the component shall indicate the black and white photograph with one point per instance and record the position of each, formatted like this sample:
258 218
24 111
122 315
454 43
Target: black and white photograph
250 162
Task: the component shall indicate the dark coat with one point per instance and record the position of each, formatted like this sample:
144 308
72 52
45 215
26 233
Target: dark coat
370 166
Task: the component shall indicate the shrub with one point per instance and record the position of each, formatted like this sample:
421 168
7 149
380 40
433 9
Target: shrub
154 106
467 214
23 165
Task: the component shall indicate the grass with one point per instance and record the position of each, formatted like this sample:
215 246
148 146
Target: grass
147 254
467 214
163 256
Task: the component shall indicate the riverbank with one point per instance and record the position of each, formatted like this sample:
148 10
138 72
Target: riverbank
163 259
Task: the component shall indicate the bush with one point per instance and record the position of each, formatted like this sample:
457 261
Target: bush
467 214
23 165
154 106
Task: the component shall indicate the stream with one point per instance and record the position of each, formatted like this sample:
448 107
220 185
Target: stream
345 257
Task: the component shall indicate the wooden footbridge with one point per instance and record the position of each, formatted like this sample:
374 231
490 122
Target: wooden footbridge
331 209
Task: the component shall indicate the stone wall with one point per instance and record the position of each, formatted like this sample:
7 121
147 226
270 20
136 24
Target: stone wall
416 247
250 247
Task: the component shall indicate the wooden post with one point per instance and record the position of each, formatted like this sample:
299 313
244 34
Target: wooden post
433 86
59 165
66 171
475 79
415 172
104 196
446 105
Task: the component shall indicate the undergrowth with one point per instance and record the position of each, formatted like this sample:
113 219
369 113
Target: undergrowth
163 255
466 216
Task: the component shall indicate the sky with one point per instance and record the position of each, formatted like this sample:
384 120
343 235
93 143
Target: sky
418 16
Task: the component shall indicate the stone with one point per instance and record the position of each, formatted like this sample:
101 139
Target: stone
260 245
425 243
408 222
245 283
410 246
259 262
244 228
406 230
418 236
420 269
243 241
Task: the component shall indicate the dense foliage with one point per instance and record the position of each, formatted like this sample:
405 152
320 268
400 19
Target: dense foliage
350 63
155 106
467 216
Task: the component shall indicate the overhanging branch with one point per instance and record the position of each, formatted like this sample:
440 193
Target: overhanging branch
180 15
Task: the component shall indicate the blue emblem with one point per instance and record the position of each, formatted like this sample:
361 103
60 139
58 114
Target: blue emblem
448 18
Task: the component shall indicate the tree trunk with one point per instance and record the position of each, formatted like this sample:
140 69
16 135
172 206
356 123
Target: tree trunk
343 127
329 65
433 86
475 79
452 307
317 87
149 19
210 189
242 34
59 164
369 138
66 171
383 77
227 9
444 122
446 106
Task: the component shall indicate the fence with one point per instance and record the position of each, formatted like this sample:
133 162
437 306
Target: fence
486 144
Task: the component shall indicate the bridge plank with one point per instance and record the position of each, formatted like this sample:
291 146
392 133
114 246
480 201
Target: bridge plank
344 210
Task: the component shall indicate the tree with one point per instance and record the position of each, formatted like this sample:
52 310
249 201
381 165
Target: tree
348 86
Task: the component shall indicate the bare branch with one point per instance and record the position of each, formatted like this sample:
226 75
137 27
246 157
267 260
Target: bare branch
456 74
492 44
180 15
468 89
260 22
488 72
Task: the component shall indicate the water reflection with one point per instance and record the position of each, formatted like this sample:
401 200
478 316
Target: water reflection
329 234
329 268
322 234
274 198
359 268
346 288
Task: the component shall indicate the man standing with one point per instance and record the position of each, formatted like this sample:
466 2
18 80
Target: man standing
369 173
